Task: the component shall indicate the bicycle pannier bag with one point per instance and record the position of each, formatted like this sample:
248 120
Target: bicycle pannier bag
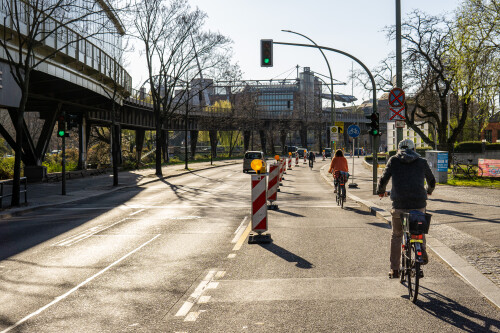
419 222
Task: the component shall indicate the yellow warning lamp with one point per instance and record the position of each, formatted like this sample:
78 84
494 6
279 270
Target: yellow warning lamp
277 157
289 153
256 165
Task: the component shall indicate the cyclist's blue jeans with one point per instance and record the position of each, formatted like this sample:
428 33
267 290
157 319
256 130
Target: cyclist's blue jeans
397 236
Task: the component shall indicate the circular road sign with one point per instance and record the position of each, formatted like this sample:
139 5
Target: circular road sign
397 97
353 131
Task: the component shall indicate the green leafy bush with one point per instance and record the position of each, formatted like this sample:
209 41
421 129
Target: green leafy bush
493 146
469 147
7 168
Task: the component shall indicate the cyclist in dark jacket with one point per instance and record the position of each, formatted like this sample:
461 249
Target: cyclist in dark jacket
408 172
312 158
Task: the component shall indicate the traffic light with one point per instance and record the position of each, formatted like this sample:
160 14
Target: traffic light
61 126
374 124
266 53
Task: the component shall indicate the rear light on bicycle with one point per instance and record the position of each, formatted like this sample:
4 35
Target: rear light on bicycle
419 253
417 236
403 246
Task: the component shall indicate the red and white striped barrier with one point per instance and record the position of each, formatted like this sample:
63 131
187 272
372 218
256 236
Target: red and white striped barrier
323 156
290 162
272 185
305 158
284 166
296 159
259 204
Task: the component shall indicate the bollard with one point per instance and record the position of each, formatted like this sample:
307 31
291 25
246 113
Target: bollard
272 186
323 155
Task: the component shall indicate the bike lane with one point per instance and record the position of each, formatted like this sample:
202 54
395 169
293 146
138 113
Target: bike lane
326 271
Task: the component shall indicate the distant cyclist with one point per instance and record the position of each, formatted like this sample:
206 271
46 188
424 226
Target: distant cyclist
408 172
338 163
311 158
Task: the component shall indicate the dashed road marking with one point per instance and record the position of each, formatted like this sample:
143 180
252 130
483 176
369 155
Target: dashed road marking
239 231
231 256
84 234
137 212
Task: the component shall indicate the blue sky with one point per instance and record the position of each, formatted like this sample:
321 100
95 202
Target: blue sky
352 26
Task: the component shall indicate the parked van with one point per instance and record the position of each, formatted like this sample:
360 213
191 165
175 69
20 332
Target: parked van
249 157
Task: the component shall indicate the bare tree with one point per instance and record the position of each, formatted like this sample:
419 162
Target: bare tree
176 50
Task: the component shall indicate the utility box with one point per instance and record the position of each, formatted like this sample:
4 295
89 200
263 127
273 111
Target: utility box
438 162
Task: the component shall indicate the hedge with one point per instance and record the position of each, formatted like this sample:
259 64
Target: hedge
420 151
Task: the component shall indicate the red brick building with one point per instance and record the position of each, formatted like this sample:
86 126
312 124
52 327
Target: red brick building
492 132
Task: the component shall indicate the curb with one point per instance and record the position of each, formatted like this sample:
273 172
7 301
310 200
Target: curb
22 211
468 272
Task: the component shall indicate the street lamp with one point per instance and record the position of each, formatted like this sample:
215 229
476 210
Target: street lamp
329 70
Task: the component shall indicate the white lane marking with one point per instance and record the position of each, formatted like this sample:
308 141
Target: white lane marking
204 299
192 316
241 224
186 307
84 234
137 212
63 296
220 274
243 236
212 285
239 231
231 255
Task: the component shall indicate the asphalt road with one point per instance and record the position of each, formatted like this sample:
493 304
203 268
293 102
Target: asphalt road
171 256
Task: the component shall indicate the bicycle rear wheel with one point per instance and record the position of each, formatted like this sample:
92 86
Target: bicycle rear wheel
413 274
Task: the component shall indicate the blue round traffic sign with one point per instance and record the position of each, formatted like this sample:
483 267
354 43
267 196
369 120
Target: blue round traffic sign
353 131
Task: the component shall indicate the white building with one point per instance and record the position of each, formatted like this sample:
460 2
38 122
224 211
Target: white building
408 133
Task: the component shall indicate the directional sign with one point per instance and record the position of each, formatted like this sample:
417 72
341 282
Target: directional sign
340 125
397 98
353 131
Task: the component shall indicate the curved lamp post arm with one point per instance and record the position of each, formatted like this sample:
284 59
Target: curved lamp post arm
329 70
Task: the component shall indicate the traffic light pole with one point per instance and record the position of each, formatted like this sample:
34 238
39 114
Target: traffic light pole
399 63
64 165
375 138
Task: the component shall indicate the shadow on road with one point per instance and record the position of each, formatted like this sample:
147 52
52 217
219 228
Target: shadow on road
468 216
289 213
287 255
453 313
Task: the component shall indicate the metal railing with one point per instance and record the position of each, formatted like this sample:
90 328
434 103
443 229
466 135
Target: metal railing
9 182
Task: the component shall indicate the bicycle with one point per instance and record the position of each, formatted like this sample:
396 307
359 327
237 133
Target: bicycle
469 170
415 225
311 162
340 181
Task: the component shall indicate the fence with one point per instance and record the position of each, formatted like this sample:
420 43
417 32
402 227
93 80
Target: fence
9 182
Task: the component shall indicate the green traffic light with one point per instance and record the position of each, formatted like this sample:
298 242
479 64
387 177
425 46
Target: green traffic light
266 60
60 133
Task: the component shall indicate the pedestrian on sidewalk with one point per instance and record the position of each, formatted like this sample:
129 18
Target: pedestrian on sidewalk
408 171
338 163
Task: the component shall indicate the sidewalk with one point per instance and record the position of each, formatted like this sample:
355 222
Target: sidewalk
464 236
49 194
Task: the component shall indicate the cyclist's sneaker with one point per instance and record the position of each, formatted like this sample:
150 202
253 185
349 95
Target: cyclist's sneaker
393 274
421 274
335 191
425 258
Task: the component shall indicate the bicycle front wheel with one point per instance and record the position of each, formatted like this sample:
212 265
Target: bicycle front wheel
413 274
